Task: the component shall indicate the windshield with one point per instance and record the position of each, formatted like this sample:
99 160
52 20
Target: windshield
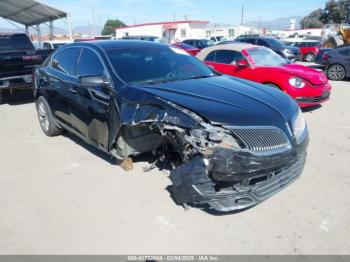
15 42
157 64
274 43
266 57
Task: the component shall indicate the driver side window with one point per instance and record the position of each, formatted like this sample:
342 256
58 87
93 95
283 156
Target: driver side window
228 57
89 64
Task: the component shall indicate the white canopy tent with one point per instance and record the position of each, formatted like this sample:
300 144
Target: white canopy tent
32 13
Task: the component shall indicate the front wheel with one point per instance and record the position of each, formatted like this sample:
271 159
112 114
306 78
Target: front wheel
46 119
310 57
336 72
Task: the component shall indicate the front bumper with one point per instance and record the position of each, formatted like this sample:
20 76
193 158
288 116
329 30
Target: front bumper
318 96
193 185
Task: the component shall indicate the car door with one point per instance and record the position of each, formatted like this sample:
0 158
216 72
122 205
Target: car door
90 106
60 80
225 61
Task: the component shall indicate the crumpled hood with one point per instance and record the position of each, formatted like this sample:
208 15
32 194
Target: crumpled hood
229 101
312 75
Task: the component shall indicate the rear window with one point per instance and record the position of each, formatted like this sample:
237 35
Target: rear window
15 42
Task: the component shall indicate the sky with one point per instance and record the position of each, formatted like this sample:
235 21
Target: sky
87 12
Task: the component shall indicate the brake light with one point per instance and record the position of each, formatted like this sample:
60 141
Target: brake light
325 57
31 57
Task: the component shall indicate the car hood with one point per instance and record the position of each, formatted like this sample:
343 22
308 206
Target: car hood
229 101
312 75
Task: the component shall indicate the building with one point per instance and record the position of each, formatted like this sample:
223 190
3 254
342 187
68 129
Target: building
169 32
229 32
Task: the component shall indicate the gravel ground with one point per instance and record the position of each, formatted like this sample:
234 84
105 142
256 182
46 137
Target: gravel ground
60 196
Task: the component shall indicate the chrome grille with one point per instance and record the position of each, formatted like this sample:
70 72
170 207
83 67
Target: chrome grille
262 139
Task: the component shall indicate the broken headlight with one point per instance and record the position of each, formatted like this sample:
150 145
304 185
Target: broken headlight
299 126
214 136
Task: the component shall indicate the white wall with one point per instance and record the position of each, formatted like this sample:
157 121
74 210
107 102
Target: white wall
191 30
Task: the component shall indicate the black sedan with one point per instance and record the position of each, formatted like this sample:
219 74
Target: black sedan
337 63
287 52
231 143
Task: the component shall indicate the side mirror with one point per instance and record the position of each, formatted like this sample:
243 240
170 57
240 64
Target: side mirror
93 81
242 63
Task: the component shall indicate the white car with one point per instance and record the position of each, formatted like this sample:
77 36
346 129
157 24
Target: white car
54 44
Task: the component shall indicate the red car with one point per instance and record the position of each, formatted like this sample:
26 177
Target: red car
188 48
307 86
308 49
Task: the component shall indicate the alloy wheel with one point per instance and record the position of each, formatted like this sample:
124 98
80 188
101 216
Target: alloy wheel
310 57
43 116
336 72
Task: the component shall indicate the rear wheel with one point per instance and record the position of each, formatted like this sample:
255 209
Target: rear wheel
336 72
46 120
310 57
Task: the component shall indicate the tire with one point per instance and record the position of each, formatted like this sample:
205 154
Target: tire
336 72
46 120
310 57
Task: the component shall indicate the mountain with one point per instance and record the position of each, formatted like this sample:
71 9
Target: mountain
83 29
280 23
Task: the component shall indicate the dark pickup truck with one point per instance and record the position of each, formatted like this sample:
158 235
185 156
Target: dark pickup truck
18 57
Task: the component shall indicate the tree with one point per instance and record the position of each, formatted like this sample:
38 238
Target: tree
313 20
335 11
110 26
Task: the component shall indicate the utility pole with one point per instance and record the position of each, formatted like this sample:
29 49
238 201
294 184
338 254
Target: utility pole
242 15
174 16
185 17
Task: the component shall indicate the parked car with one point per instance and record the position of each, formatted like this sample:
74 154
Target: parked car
143 38
232 143
307 86
188 48
337 63
17 60
241 37
308 49
287 52
320 53
217 39
198 43
54 44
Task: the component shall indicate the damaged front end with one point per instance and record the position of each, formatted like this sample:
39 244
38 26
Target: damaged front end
225 168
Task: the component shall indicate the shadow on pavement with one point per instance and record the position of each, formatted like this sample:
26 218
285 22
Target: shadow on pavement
19 97
311 109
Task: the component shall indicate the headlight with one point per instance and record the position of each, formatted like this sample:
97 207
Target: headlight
210 135
297 82
299 126
288 51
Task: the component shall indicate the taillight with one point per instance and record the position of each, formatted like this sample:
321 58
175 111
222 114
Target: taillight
31 57
325 57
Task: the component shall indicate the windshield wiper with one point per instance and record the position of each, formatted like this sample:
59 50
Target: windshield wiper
155 82
196 77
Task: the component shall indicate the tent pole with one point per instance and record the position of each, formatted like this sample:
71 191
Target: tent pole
51 30
39 34
69 27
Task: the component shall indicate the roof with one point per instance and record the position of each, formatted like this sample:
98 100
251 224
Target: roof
234 47
119 44
167 23
29 12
